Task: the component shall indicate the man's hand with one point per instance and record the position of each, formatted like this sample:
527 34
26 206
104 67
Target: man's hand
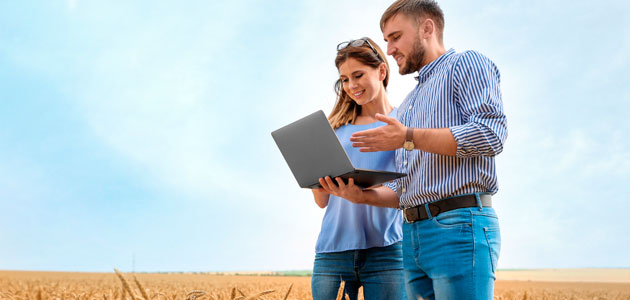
347 191
384 138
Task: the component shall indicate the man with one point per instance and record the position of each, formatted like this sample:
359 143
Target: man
446 135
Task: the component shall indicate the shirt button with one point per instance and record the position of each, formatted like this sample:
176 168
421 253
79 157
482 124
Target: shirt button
404 190
405 162
411 107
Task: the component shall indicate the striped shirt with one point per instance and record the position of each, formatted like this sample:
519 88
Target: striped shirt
459 91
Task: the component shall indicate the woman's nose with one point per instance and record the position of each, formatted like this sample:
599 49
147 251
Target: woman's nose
353 84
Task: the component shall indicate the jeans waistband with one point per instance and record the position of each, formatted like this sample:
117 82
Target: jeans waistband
419 213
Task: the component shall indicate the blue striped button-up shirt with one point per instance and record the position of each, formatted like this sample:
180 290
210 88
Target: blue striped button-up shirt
459 91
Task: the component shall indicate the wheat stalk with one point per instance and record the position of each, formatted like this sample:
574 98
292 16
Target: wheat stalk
124 293
125 284
259 294
241 292
340 291
194 295
9 295
287 295
143 292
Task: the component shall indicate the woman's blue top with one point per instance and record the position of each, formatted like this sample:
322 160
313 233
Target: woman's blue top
350 226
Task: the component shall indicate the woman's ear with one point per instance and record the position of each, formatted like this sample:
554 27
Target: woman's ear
382 71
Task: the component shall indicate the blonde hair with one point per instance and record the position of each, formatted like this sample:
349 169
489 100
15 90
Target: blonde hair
346 110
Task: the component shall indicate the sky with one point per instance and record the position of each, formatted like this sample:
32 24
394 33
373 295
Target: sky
136 134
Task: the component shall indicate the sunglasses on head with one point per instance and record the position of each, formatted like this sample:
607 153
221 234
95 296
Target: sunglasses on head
358 43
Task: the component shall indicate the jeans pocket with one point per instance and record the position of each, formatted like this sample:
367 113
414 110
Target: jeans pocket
454 219
493 238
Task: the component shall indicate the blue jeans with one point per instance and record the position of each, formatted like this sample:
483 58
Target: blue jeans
453 255
379 270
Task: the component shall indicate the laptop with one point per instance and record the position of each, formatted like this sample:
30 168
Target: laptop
312 151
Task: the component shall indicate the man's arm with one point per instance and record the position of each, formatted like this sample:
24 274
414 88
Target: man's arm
484 128
392 136
478 97
435 140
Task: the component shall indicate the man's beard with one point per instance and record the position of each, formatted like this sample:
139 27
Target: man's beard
414 59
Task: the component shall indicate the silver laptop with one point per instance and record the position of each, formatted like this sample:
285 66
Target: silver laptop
312 151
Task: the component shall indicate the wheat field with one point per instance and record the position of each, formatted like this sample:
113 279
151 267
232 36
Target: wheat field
22 285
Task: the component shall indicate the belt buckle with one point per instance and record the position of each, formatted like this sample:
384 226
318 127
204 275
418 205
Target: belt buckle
405 216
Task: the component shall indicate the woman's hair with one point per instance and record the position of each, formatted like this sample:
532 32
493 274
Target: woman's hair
346 110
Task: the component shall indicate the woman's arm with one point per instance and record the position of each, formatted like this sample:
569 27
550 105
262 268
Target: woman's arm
321 197
381 196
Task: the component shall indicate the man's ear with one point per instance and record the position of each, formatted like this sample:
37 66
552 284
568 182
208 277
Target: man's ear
427 28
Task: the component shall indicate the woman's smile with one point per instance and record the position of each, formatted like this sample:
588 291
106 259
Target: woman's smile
358 94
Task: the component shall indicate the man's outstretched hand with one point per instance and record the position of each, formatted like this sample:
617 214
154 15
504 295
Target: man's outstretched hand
384 138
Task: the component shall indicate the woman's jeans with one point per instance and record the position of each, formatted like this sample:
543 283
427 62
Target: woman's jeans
453 255
379 270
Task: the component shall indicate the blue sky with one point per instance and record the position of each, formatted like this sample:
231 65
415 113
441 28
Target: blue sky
144 129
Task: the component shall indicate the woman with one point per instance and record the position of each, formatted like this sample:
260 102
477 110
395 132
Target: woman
359 244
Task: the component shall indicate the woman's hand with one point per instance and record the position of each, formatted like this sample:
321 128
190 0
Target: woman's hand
348 191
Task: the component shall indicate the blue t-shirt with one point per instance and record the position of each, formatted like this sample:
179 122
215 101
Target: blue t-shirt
350 226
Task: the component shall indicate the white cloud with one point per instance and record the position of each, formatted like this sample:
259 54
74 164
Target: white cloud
72 5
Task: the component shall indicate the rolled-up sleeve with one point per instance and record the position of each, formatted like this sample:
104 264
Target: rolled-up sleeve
478 97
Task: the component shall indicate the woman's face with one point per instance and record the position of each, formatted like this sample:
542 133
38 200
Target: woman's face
361 82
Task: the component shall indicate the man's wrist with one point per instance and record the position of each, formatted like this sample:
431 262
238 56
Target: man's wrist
408 144
404 133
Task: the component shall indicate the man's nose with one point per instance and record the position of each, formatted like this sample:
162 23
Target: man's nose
390 49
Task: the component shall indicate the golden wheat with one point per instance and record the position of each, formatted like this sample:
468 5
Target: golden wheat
125 284
289 291
340 291
16 285
143 292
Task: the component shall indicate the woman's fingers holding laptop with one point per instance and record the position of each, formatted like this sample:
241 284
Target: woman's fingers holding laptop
328 185
340 189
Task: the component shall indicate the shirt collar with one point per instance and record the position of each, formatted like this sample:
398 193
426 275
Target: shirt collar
425 71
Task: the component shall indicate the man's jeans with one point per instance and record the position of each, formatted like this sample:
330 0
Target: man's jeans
379 270
453 255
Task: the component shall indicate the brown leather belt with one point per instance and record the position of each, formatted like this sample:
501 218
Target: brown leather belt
419 213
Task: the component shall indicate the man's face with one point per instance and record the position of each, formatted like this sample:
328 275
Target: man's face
404 43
